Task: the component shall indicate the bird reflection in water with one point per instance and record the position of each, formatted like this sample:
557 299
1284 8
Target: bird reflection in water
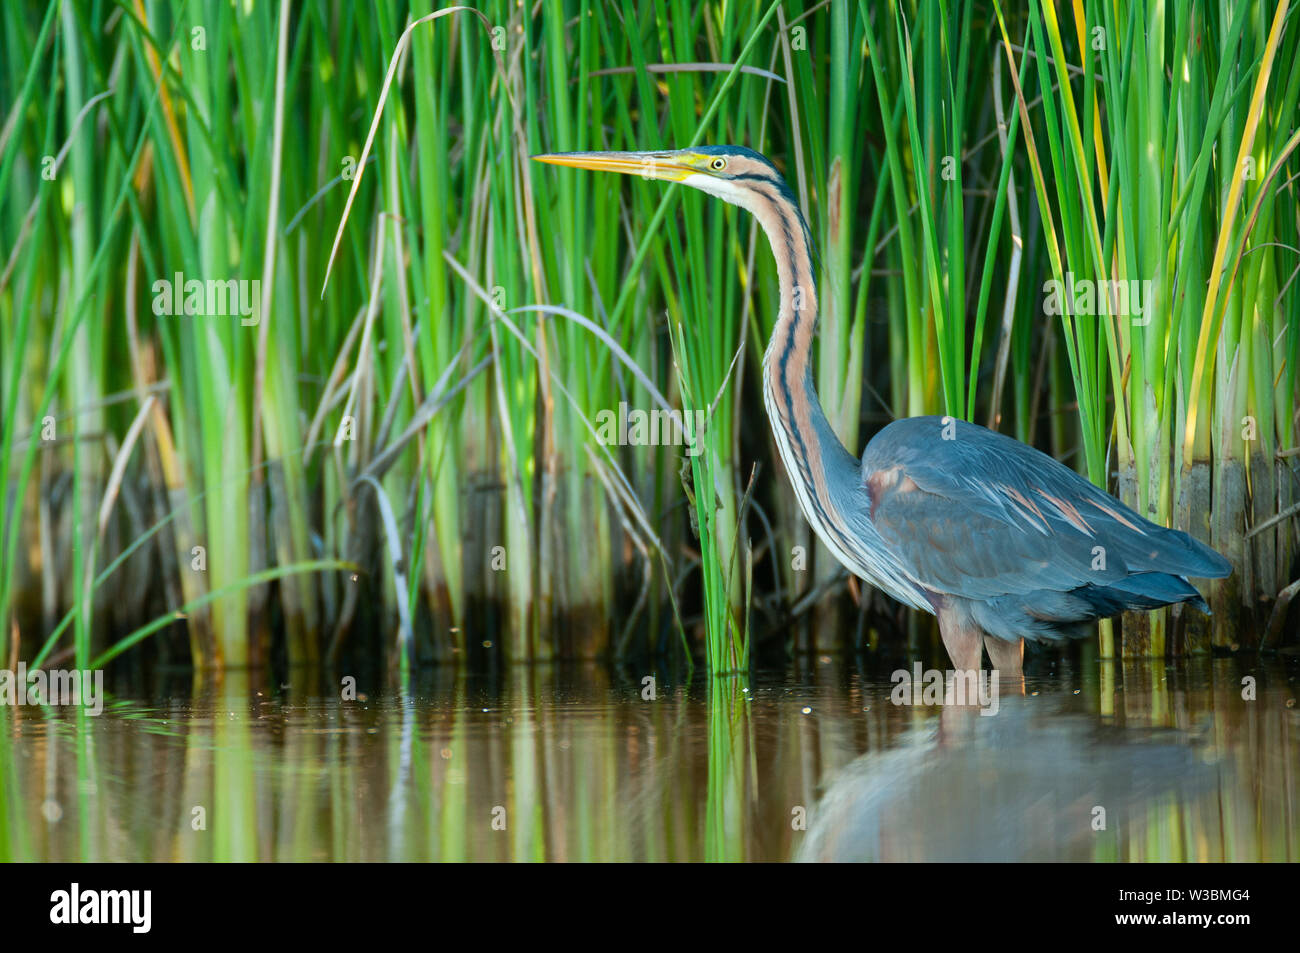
1034 783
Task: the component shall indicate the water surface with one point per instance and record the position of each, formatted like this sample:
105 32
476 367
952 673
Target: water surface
1103 761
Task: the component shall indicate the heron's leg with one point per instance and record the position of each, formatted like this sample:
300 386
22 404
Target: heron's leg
964 641
1008 658
1008 661
962 638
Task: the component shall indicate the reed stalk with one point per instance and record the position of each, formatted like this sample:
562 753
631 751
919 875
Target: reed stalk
417 399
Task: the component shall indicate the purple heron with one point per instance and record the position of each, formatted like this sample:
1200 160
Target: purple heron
998 540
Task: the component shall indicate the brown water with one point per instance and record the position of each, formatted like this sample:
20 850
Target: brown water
1132 761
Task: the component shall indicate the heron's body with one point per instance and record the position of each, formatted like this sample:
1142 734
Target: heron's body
998 540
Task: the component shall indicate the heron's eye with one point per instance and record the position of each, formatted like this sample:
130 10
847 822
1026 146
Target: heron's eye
718 164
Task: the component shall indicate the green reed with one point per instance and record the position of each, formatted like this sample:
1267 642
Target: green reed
1139 166
426 417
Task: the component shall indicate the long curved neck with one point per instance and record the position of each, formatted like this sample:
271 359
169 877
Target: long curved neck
825 475
803 434
827 479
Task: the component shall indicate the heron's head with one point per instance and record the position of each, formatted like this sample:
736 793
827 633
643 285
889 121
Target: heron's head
733 173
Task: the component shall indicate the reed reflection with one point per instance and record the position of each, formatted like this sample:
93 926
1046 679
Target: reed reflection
582 763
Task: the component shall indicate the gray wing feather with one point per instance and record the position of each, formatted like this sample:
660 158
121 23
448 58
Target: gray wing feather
981 515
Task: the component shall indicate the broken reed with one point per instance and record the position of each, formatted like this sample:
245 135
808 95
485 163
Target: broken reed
427 422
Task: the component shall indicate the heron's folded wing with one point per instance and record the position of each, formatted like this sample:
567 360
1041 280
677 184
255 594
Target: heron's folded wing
984 515
956 541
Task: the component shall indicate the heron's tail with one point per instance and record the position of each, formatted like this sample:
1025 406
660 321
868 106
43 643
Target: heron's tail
1046 615
1142 590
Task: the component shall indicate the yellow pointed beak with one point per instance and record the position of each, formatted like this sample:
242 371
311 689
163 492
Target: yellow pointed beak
664 166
